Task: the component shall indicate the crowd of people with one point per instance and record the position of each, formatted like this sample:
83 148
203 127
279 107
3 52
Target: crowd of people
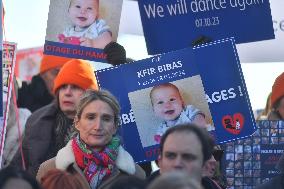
71 141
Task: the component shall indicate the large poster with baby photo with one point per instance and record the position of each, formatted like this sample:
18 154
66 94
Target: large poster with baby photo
160 92
81 28
175 24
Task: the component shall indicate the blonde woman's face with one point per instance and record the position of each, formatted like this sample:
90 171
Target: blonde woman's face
167 103
83 12
96 125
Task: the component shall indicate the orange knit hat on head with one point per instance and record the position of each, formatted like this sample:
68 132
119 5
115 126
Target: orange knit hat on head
76 72
277 89
49 62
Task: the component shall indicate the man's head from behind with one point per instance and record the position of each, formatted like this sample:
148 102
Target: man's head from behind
49 68
185 147
74 78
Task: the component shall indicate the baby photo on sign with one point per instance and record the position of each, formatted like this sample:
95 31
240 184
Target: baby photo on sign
167 105
89 23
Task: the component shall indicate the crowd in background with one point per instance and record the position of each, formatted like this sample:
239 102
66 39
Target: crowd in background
70 137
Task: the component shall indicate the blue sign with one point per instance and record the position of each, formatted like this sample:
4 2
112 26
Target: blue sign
179 87
175 24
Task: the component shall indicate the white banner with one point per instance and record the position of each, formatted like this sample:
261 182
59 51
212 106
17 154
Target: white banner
269 50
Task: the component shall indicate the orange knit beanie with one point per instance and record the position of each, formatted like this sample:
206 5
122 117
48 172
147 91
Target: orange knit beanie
76 72
277 89
49 62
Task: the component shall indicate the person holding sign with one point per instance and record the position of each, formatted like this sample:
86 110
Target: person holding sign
95 154
87 28
168 105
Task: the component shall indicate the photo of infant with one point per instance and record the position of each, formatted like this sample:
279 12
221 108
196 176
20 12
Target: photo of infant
87 29
89 23
167 105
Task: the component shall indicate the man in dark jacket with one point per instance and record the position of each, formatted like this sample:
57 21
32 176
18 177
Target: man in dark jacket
184 148
50 128
38 93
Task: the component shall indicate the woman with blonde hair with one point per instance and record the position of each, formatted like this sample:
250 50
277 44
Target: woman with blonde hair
95 155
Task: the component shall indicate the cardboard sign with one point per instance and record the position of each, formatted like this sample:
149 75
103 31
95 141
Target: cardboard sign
175 24
250 162
8 58
81 29
188 78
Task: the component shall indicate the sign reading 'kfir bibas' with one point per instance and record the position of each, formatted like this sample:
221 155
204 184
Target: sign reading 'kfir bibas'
180 87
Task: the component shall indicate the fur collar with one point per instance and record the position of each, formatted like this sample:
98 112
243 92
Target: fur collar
65 157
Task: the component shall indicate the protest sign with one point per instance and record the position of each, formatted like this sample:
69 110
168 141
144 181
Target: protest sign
8 64
81 29
28 63
197 91
175 24
252 161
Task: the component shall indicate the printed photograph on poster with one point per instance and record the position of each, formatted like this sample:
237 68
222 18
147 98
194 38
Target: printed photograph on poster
82 28
169 104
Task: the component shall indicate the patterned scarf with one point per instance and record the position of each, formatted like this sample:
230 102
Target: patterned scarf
64 130
96 165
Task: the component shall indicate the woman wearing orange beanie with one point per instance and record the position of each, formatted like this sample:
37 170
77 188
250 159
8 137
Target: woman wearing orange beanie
277 99
50 128
38 92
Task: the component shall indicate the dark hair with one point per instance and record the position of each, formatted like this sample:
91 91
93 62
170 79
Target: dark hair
128 182
275 107
17 173
203 136
176 180
58 179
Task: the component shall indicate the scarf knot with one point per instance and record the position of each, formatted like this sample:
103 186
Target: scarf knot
96 165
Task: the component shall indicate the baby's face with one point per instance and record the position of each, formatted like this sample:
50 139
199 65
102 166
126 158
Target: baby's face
167 103
83 12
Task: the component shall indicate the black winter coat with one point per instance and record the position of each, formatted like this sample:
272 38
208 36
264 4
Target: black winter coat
34 95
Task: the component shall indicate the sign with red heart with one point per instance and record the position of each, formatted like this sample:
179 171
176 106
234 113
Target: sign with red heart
233 124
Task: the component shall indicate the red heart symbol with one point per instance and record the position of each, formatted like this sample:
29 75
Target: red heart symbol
233 124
